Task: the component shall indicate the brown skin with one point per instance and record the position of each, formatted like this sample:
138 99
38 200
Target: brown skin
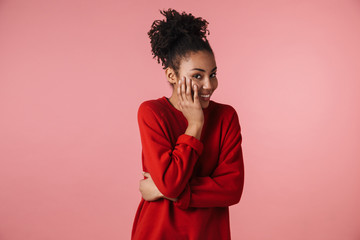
189 96
149 191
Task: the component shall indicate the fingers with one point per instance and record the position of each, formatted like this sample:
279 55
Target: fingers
188 89
184 90
196 93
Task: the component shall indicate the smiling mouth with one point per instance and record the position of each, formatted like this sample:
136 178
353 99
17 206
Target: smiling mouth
205 97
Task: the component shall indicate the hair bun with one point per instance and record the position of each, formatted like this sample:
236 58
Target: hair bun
180 25
177 34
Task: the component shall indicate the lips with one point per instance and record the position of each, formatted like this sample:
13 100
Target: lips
205 97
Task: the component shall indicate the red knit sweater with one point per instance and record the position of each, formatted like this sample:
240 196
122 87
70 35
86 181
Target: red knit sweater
206 176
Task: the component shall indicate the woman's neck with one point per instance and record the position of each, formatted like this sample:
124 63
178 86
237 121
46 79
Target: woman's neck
174 100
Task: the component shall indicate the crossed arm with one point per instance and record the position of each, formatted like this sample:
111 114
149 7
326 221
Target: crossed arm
222 188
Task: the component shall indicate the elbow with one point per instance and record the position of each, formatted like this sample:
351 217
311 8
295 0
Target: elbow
237 197
237 192
234 198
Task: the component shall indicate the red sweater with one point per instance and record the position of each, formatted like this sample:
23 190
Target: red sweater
206 176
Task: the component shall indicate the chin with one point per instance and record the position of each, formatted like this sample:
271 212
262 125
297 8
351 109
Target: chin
204 104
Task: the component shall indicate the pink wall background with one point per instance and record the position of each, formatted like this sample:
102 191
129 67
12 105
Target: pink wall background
73 73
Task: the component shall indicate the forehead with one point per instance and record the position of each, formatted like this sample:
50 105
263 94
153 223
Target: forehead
201 59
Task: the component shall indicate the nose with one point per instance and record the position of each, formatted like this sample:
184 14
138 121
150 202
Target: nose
207 84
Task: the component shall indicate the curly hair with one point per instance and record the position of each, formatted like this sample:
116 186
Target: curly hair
177 36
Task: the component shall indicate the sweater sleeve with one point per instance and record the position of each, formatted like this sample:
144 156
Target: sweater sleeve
225 185
169 166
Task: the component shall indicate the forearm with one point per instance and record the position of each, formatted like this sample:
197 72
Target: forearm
216 192
222 188
205 192
172 169
182 177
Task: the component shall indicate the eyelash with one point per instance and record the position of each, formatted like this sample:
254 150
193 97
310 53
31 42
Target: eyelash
200 75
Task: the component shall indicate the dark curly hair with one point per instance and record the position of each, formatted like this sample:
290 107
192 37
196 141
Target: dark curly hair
177 36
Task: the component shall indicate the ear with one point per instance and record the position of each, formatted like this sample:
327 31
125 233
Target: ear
170 75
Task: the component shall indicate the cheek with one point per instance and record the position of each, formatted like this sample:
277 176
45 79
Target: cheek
215 84
195 82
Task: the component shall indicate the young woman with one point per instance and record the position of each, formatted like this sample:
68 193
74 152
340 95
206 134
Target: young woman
191 146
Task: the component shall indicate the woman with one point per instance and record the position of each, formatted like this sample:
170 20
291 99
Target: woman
191 145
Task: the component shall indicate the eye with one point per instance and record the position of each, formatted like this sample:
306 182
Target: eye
197 76
213 75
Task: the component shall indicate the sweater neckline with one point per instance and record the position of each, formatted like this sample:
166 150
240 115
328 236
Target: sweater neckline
165 99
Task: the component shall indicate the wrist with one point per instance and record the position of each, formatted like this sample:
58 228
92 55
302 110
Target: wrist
194 129
198 124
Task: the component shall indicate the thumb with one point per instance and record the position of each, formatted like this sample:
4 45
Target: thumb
146 174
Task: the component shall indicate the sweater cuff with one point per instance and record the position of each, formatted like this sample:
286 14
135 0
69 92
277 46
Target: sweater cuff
192 142
183 200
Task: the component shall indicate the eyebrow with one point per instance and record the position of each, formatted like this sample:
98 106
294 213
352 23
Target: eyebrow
199 69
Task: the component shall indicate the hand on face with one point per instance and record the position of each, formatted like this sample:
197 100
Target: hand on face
190 105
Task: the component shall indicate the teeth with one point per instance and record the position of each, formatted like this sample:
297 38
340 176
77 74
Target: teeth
205 95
